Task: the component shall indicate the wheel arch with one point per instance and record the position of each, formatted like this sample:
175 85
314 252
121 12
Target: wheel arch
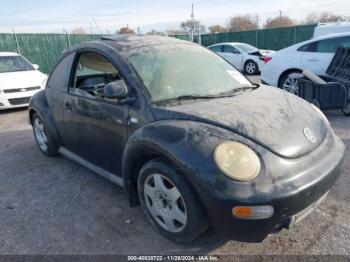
38 104
287 71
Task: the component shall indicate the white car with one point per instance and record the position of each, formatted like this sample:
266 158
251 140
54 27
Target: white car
19 80
244 57
315 55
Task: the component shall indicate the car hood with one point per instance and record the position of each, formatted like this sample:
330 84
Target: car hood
21 79
267 116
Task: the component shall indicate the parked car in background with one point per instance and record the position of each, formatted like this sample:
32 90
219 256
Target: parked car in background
19 80
244 57
331 28
188 136
315 55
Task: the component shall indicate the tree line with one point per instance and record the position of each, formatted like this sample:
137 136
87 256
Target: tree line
236 24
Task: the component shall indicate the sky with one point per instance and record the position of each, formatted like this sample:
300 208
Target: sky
107 16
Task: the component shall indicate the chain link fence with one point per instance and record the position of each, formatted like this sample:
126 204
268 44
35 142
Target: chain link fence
45 49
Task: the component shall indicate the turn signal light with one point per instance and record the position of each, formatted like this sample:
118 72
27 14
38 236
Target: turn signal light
252 212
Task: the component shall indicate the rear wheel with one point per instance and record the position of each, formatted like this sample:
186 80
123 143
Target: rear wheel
251 68
42 136
169 203
290 83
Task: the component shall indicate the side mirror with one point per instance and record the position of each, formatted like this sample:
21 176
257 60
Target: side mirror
36 67
116 90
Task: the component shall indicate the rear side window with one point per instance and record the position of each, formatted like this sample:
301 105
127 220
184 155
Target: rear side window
327 45
230 49
217 48
59 77
331 45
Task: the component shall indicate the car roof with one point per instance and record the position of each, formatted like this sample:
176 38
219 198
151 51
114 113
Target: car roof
124 43
229 43
331 36
8 54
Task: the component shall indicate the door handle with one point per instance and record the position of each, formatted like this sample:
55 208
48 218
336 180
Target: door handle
313 60
67 105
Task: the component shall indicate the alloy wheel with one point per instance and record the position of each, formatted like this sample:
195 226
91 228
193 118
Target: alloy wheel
165 203
40 135
291 85
250 68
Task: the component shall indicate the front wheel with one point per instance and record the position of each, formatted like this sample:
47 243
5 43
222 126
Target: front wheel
169 203
251 68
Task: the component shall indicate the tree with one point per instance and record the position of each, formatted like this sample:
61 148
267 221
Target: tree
78 31
242 23
279 21
324 17
125 31
190 25
217 29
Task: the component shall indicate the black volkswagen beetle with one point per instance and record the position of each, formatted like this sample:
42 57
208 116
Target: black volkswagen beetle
190 138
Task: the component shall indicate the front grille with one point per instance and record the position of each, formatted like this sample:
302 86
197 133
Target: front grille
19 101
25 89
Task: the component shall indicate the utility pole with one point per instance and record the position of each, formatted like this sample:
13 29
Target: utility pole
90 27
192 15
280 14
98 28
67 35
17 45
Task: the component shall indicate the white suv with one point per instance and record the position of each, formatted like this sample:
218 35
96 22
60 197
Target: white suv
19 80
315 55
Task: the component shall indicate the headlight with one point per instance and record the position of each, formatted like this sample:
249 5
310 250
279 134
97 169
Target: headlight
320 113
237 161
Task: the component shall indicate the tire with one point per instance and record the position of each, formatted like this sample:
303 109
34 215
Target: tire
42 136
346 109
251 68
166 196
288 82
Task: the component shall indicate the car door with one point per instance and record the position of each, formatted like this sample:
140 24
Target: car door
95 128
317 56
233 55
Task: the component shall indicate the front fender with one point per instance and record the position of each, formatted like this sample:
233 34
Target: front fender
187 145
38 104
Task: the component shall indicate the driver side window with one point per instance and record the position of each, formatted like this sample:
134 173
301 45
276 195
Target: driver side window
92 73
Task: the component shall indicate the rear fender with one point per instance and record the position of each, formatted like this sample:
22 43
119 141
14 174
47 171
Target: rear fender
38 104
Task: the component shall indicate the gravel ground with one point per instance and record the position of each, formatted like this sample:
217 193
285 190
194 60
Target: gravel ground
55 206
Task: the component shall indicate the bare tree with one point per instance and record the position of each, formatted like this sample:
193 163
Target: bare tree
78 31
279 21
195 25
324 17
125 31
217 29
242 23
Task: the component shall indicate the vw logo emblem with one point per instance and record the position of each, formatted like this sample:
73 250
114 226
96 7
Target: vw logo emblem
309 135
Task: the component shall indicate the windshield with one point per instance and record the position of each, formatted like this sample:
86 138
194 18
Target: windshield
14 64
247 48
172 71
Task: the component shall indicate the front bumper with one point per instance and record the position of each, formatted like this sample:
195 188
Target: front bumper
15 100
303 183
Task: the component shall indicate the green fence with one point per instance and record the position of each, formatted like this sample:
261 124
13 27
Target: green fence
273 39
45 49
41 49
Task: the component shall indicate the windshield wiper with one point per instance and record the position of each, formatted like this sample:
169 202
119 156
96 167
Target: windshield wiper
236 90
